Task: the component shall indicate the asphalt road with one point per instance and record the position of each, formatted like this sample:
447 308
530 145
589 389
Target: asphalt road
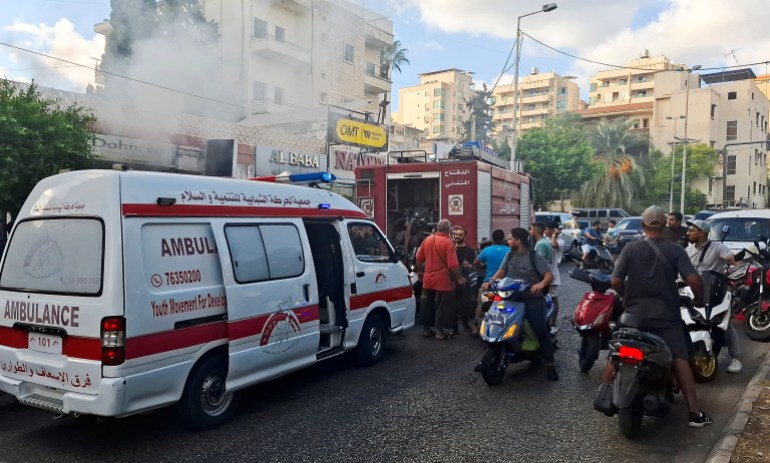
422 403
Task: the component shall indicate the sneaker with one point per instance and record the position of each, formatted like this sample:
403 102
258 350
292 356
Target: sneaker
735 366
699 420
551 373
554 330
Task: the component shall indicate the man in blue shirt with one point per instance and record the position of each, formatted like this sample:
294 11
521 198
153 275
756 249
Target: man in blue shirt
490 257
592 238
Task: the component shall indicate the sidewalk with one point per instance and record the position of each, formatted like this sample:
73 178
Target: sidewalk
744 438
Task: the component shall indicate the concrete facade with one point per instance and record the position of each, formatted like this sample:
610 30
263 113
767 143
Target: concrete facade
436 106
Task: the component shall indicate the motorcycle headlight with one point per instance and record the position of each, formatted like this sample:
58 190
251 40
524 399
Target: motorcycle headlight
505 294
482 326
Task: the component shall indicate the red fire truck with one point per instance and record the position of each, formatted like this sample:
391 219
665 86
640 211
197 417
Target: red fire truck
410 193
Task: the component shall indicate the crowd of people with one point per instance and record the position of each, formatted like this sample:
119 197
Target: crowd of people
645 277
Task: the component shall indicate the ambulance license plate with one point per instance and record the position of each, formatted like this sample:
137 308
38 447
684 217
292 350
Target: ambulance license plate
44 343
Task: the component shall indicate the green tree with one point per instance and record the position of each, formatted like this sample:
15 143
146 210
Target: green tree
477 127
38 138
392 56
502 147
701 162
620 181
558 156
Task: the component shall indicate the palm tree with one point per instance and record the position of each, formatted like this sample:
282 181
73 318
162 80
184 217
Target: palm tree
621 181
392 56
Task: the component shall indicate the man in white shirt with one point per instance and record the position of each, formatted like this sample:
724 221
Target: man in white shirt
705 256
552 232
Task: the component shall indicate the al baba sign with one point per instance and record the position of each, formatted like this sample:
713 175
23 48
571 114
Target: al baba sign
346 130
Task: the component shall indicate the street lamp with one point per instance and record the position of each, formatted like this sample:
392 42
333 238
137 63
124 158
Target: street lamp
684 150
545 9
673 148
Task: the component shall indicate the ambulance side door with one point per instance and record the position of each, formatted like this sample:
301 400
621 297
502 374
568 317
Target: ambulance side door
272 298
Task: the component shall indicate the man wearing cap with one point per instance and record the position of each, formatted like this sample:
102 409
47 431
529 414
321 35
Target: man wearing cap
645 274
707 255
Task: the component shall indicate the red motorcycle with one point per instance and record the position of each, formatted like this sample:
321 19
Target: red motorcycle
593 315
755 308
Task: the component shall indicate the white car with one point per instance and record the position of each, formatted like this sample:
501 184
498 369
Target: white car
570 230
740 229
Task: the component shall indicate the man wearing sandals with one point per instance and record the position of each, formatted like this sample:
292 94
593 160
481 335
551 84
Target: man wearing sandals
437 258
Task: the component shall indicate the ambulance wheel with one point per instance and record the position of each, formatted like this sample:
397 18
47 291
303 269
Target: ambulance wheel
371 342
205 402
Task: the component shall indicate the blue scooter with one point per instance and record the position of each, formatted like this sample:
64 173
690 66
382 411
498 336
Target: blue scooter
506 333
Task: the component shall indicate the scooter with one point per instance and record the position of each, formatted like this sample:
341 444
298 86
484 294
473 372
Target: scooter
599 258
707 325
593 315
643 383
506 333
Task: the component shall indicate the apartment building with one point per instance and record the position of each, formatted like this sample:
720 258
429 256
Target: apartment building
627 93
437 105
726 111
541 95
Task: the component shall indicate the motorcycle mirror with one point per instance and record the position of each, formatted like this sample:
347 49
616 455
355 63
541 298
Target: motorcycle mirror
740 255
400 253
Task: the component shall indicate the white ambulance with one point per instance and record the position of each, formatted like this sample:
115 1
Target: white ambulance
122 292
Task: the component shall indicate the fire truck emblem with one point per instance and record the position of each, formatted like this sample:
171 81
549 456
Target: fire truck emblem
455 204
281 330
367 205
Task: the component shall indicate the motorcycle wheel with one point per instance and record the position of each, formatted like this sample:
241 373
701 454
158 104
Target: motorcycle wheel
703 366
757 323
589 351
493 364
606 267
630 421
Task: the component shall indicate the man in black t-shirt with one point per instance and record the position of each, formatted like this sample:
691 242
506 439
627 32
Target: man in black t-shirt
465 257
648 286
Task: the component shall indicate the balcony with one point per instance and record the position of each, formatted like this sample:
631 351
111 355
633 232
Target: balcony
374 82
281 51
296 6
539 98
378 38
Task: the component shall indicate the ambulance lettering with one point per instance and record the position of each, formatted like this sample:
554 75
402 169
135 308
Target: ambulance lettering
48 314
186 246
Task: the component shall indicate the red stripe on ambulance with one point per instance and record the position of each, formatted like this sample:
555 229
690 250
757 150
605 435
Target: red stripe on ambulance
363 301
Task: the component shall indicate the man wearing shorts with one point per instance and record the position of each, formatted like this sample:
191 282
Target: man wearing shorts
552 232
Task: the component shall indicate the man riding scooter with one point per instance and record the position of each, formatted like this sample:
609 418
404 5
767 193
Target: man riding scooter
645 274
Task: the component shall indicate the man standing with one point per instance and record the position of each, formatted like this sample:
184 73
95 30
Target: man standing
518 265
465 257
706 256
674 230
542 244
438 259
645 274
592 238
490 257
553 232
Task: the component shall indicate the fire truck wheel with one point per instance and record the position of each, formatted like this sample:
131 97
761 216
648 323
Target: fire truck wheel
205 402
371 342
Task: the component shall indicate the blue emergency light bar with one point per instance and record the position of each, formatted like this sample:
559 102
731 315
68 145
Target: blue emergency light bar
310 177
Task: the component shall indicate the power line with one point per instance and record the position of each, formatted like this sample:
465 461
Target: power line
39 67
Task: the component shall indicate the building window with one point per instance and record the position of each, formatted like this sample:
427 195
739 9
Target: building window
561 104
531 119
732 130
562 90
438 117
755 187
593 87
370 68
259 91
731 164
645 123
349 53
438 92
732 95
713 111
280 34
260 29
438 129
280 96
641 78
438 104
605 83
730 193
622 82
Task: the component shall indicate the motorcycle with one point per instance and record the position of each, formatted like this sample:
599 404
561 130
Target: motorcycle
599 258
707 325
757 313
593 315
506 333
643 383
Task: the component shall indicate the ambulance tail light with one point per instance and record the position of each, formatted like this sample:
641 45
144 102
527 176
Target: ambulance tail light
113 340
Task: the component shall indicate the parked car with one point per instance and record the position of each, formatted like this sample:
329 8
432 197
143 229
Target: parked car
602 214
743 227
571 235
629 229
703 215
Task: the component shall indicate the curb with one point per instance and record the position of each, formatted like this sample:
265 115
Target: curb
723 451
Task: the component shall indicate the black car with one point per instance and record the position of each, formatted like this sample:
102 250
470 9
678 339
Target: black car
628 229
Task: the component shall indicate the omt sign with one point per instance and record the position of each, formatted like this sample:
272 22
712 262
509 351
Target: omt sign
349 131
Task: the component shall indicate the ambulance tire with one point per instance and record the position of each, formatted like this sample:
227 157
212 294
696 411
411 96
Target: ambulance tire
205 404
371 342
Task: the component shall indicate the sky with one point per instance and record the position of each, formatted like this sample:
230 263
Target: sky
476 36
